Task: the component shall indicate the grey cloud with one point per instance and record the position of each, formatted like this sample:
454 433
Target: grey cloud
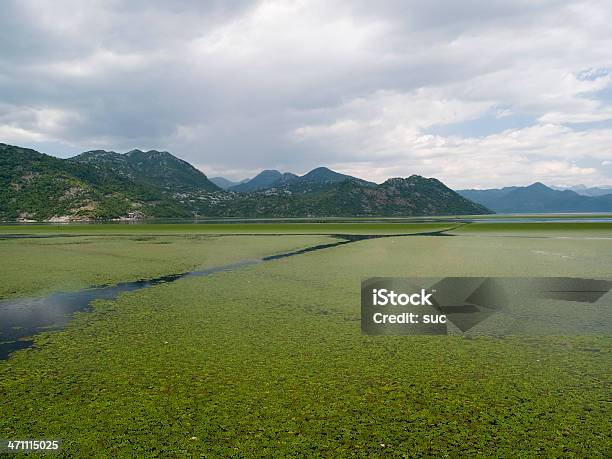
227 85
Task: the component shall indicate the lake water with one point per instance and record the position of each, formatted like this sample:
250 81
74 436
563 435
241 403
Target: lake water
24 317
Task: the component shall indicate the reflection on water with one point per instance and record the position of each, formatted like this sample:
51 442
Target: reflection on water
23 317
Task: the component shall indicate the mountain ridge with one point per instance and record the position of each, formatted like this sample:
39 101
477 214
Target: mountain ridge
153 167
261 181
315 179
537 197
586 190
101 184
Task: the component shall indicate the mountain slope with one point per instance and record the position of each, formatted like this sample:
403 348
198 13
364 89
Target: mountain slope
314 180
418 195
320 178
156 168
264 179
538 198
324 175
37 186
410 196
286 179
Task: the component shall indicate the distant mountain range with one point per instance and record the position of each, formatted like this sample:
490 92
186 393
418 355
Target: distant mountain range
265 179
537 198
141 184
585 190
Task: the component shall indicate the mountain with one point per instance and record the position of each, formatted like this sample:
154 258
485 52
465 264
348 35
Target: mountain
314 180
488 196
586 191
263 180
286 179
418 195
414 195
108 185
321 178
156 168
37 186
537 198
224 183
324 175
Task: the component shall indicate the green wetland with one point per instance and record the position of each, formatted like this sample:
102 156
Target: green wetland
268 359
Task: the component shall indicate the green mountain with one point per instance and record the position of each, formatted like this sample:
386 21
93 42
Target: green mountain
286 180
312 181
322 178
324 175
106 185
156 168
37 186
265 179
538 198
410 196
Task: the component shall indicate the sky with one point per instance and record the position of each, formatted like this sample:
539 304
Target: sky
478 94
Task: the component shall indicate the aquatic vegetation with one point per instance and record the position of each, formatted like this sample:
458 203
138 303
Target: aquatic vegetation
588 229
269 360
34 266
328 227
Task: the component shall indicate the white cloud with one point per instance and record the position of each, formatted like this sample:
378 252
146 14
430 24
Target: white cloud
545 153
97 65
387 122
19 124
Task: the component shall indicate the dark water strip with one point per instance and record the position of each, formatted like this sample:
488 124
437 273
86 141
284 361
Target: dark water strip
349 237
24 317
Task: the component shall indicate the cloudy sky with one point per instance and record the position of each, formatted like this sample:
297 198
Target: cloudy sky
476 93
